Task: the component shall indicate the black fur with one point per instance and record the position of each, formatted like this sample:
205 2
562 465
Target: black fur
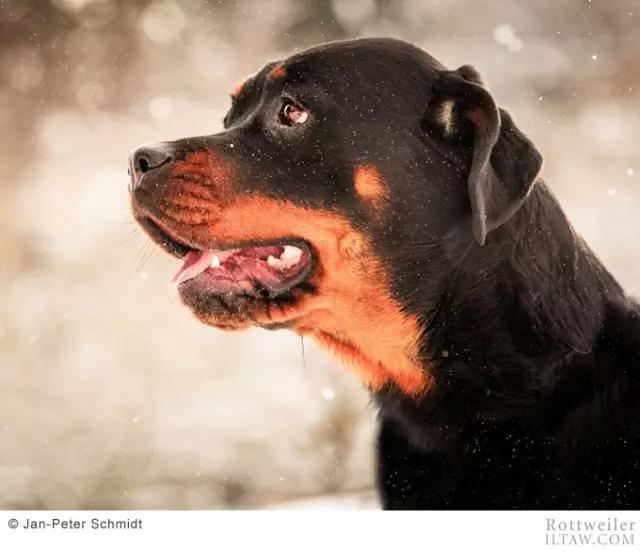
537 352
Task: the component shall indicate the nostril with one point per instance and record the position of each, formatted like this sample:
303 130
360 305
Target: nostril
143 164
145 159
148 158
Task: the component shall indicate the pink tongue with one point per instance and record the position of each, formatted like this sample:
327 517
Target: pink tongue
194 264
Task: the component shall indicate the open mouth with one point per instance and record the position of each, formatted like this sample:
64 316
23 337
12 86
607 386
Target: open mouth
266 270
261 269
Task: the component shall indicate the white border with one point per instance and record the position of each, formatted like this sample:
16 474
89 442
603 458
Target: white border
325 530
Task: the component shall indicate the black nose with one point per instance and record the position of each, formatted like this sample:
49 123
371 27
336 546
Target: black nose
144 159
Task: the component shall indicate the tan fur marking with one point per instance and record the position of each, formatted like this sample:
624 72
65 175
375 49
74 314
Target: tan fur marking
237 89
279 71
370 187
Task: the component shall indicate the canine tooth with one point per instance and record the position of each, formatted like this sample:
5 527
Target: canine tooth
273 261
291 254
215 261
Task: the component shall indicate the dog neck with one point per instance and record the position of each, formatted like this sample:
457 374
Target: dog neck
503 318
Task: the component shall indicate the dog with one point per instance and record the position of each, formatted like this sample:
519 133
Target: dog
365 195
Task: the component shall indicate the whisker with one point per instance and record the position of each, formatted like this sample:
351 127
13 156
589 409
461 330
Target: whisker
304 358
140 256
150 249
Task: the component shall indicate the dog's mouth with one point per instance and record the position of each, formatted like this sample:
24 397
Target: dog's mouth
262 269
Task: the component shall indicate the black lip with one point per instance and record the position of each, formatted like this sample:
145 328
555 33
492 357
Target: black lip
162 237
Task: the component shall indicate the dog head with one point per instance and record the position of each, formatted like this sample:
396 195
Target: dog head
336 168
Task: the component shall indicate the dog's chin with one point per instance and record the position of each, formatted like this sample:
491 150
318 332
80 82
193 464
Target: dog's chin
234 311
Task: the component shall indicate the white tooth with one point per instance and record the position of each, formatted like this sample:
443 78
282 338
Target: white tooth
215 261
273 261
291 254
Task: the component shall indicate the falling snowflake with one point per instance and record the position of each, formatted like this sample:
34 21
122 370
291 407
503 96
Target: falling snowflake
328 393
505 35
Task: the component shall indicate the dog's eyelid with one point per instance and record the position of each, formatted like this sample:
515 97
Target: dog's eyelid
285 97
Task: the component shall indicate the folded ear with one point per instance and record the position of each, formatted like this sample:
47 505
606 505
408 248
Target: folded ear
504 162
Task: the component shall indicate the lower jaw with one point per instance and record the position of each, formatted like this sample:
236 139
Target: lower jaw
216 311
206 286
234 308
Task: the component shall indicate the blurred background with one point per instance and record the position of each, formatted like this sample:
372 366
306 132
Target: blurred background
111 395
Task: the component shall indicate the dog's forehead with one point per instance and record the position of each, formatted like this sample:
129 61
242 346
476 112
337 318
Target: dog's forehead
376 64
363 71
365 57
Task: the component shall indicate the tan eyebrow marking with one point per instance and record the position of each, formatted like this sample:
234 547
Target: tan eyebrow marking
279 71
237 89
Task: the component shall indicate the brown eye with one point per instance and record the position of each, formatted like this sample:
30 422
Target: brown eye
292 114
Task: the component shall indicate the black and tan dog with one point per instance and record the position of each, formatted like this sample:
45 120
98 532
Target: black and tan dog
363 194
